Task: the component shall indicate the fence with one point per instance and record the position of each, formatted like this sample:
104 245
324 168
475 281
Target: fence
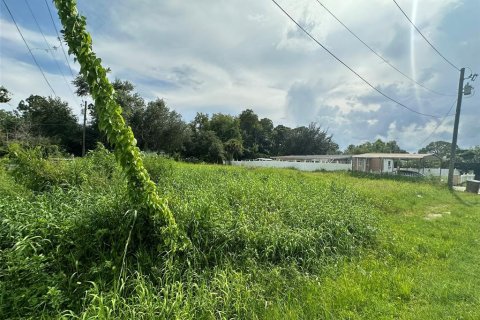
436 172
303 166
443 173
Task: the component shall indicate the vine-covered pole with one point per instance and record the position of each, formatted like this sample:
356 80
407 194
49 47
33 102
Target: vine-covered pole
111 122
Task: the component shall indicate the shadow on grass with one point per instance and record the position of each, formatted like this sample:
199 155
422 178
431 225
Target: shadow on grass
459 199
380 176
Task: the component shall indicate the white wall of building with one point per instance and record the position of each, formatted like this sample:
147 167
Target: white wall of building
303 166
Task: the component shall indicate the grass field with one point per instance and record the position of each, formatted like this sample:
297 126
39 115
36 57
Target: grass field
265 244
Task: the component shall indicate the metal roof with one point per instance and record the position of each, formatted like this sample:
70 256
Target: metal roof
402 156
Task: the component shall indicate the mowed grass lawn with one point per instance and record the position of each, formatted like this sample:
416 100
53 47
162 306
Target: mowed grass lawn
426 265
265 244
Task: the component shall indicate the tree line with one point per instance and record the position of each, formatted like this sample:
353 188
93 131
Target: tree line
215 138
212 138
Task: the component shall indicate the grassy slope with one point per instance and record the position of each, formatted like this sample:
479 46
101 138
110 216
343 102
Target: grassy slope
260 250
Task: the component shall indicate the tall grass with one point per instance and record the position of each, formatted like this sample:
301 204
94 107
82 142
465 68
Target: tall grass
261 240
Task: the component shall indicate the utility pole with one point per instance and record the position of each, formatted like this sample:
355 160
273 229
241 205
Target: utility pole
461 92
451 168
84 126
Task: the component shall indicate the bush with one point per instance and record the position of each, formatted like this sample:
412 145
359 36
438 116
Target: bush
40 169
29 167
159 167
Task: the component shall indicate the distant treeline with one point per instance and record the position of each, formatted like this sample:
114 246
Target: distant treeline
213 138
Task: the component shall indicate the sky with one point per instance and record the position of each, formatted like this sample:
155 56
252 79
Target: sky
229 55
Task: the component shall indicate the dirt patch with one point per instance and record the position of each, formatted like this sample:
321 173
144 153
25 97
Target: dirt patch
436 212
433 216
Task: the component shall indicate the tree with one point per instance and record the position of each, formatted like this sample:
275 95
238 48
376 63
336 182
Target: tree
10 124
132 104
376 147
206 146
162 129
393 147
200 123
469 160
81 83
467 155
92 133
216 152
441 149
233 149
280 136
250 129
471 155
130 101
82 86
4 95
225 127
309 140
52 118
265 139
205 143
89 132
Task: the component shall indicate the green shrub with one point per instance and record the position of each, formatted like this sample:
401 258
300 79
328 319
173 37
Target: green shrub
159 167
38 172
29 167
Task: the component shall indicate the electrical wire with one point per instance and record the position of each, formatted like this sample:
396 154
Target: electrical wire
29 50
349 68
59 38
420 32
50 51
439 123
380 56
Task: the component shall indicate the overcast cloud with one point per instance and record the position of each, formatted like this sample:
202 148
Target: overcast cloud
226 56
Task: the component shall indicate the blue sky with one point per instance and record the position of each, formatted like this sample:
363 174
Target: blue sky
226 56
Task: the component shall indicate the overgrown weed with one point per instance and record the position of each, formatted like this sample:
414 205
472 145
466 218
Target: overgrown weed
266 243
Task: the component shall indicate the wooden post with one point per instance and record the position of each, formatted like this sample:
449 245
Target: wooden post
84 128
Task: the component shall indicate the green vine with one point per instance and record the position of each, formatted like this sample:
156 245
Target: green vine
111 122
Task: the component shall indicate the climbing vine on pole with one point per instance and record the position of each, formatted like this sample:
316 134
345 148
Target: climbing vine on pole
111 122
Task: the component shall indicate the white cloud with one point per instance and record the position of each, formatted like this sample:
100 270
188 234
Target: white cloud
23 79
215 56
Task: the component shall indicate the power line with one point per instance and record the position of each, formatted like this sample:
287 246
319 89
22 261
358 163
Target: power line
420 32
50 51
349 68
439 123
28 47
59 38
379 56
